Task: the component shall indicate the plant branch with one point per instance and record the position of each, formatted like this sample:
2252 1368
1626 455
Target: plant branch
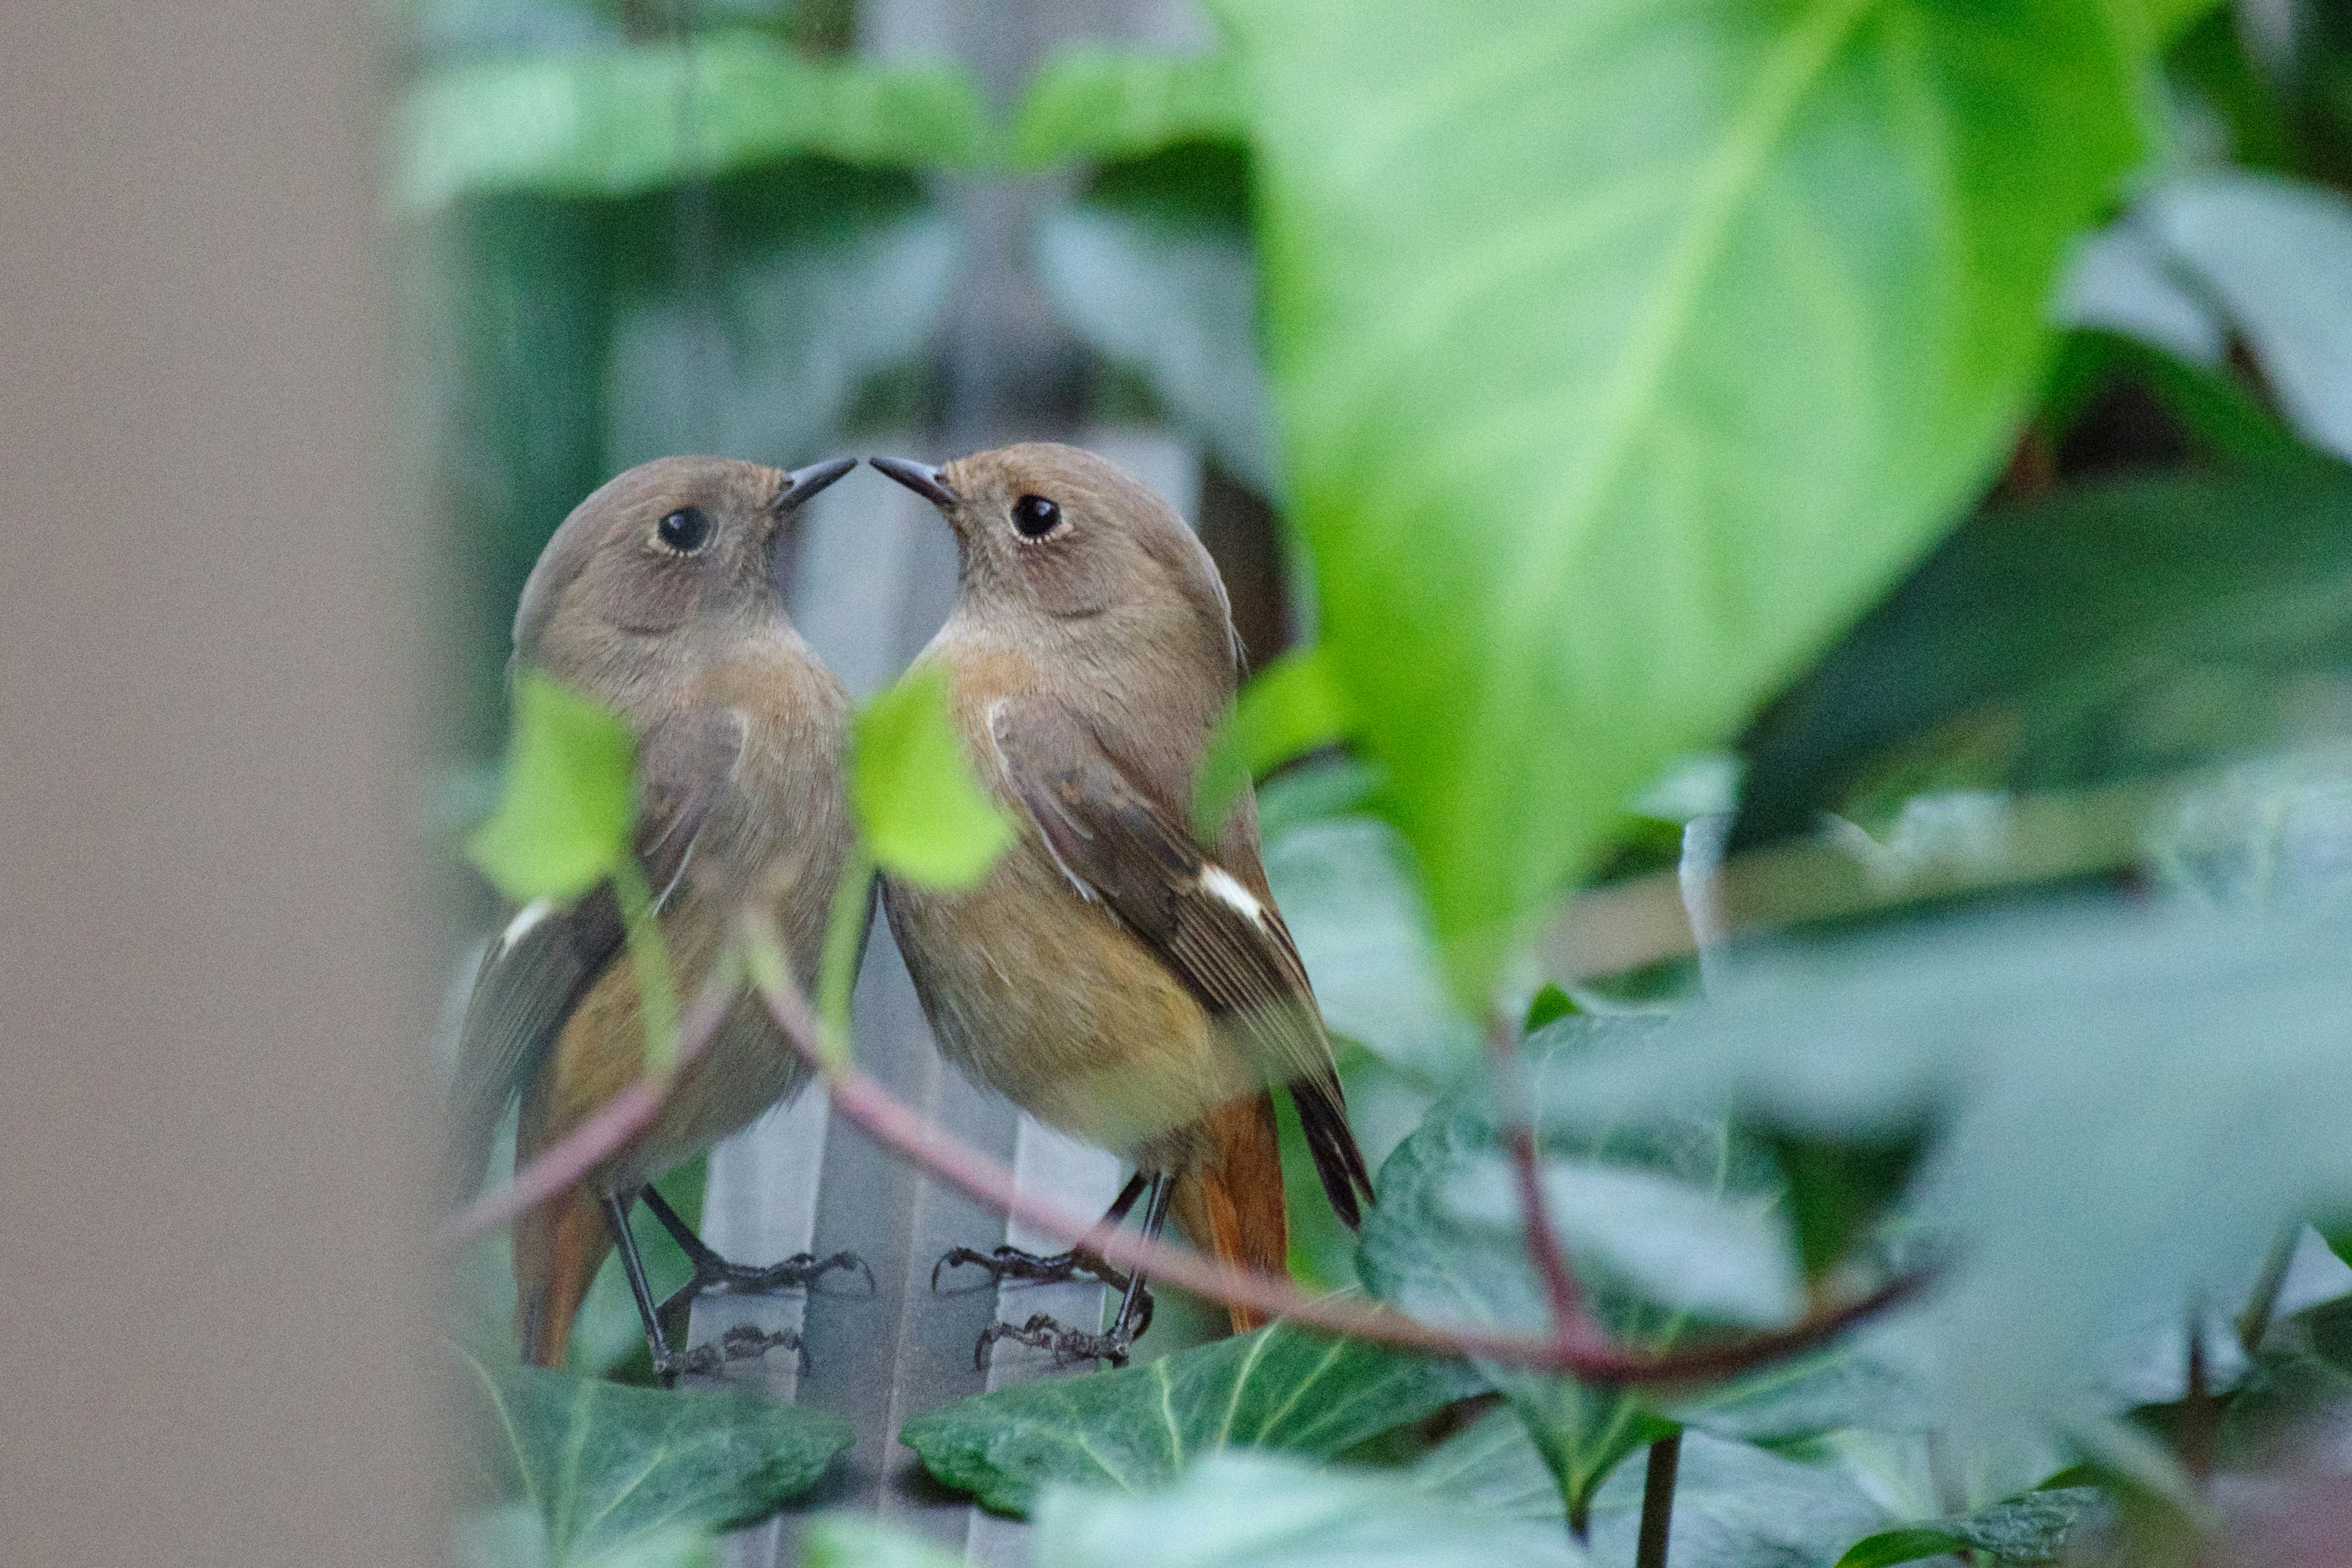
1560 1286
2254 1323
1583 1349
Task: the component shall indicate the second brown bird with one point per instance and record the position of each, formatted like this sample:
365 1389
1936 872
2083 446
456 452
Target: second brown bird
1107 975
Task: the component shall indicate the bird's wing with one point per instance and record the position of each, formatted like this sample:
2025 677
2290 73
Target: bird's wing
1225 944
537 970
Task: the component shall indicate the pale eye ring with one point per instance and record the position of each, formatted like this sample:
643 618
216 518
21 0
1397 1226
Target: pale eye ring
685 531
1034 517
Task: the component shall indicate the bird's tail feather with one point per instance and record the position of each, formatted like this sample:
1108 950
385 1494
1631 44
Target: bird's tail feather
558 1248
1231 1204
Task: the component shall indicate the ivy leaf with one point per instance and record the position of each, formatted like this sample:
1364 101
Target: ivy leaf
611 1468
1090 102
608 121
1736 1506
562 821
2031 1528
1595 437
1142 1426
922 808
1272 1511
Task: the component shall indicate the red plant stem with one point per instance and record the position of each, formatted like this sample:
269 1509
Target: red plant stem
1581 1348
558 1168
1560 1286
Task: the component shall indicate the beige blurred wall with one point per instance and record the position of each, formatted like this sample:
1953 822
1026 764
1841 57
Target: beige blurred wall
209 1005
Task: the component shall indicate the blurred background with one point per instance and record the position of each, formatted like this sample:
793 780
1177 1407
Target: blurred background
1968 508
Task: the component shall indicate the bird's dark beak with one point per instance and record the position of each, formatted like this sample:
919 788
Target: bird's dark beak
922 478
801 484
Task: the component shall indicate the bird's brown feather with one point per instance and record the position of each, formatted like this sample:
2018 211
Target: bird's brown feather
1230 1202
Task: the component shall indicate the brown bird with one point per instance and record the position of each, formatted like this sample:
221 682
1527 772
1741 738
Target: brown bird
1107 975
656 598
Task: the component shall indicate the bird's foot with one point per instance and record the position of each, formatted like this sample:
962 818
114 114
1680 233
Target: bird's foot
1030 1268
1066 1343
741 1342
714 1276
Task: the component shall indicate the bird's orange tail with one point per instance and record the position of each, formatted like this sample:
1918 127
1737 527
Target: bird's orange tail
1232 1202
558 1247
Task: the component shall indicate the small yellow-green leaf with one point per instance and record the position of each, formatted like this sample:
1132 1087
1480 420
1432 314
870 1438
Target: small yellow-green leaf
921 806
562 821
1292 707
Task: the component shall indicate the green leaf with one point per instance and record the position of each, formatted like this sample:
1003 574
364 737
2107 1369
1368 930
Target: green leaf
1549 1006
921 806
1735 1506
1596 434
1268 1510
2125 629
1153 266
852 1540
1142 1426
2082 1067
1092 101
611 1468
1291 708
614 122
1836 1190
2031 1528
562 822
2228 423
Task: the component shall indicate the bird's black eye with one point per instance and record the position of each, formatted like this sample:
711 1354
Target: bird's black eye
1034 517
686 530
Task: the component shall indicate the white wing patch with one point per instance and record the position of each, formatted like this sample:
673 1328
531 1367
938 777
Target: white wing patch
530 915
1220 885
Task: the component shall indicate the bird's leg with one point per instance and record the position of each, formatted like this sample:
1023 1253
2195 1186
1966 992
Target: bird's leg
739 1343
714 1276
1004 1263
1070 1344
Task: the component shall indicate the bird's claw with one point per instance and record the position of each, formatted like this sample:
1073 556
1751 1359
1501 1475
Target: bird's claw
741 1342
1067 1345
717 1277
1004 1263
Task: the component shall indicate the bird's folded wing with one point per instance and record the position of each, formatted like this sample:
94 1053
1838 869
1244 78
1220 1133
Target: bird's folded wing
536 971
1224 942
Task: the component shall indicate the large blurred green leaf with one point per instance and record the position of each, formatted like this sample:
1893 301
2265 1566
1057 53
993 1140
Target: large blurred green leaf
1141 1427
2127 628
1622 351
1268 1510
609 1466
2132 1108
562 822
919 803
1092 101
515 1536
616 121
